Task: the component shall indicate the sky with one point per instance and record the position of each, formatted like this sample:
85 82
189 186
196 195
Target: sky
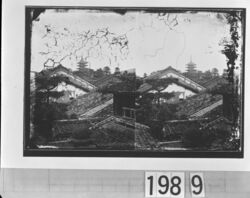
145 41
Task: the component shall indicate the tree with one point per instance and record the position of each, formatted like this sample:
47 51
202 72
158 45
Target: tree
159 85
151 109
230 100
206 138
234 18
117 71
146 111
225 73
106 70
215 72
46 109
231 51
45 87
129 83
99 73
207 75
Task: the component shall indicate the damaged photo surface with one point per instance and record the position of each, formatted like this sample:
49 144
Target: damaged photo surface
134 79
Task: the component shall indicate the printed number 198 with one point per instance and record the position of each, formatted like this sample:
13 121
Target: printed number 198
164 184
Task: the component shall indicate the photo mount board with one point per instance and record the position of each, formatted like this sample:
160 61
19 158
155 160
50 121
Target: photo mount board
110 156
147 152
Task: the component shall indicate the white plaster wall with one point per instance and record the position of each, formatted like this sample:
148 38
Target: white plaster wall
72 89
177 88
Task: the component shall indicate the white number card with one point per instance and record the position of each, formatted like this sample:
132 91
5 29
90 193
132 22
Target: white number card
177 184
197 185
150 184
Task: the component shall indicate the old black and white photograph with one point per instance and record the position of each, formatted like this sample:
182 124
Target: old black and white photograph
134 81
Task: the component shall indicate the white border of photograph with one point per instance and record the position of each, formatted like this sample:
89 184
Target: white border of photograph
13 34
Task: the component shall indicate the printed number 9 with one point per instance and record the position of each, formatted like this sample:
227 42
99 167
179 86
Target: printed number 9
164 184
198 185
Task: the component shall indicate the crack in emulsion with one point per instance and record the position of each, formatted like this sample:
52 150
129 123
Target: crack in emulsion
170 23
90 42
183 48
101 44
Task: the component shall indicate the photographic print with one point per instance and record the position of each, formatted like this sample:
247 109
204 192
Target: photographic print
134 82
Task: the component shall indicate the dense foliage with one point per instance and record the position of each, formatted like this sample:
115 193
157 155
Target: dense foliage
46 109
129 83
209 139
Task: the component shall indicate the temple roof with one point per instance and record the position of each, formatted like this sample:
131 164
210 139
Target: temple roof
73 78
182 80
214 82
106 80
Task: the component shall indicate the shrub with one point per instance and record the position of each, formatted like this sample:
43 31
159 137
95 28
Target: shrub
196 138
83 143
206 138
233 144
82 133
156 129
73 116
167 112
172 137
45 114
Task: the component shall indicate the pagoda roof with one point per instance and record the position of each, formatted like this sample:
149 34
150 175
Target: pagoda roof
191 63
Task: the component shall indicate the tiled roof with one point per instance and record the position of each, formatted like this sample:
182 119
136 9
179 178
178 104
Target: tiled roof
157 75
141 136
160 72
217 121
73 79
64 128
179 126
53 70
214 82
196 103
144 88
106 80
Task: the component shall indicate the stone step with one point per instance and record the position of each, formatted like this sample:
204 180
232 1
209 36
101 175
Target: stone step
207 109
97 109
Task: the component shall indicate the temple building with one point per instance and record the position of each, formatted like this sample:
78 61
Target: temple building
182 86
191 67
74 87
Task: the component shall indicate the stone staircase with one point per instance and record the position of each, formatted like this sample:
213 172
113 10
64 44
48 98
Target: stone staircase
99 124
97 109
129 123
199 105
206 109
143 139
89 104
